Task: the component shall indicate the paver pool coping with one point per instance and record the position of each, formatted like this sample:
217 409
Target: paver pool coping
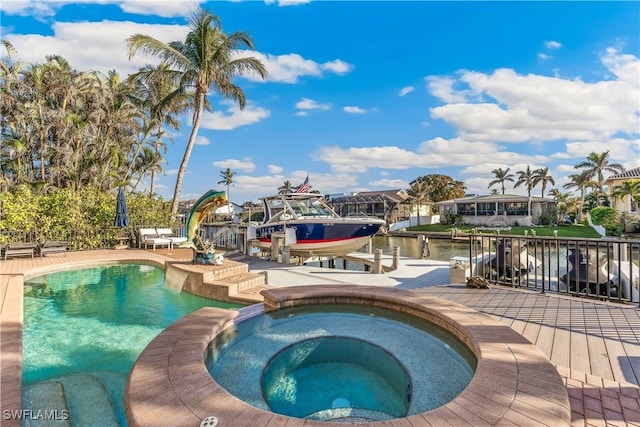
514 383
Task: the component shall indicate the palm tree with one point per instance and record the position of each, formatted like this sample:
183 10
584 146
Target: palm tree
227 179
151 90
207 60
285 188
419 193
501 175
526 177
542 176
629 188
580 181
595 166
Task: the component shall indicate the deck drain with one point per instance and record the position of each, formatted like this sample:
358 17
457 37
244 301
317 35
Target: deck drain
209 422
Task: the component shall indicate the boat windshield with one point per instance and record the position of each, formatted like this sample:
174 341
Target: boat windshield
280 209
302 208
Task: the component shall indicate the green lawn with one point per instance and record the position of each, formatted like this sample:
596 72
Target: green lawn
579 231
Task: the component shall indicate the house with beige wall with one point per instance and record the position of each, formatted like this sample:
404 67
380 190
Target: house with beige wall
498 210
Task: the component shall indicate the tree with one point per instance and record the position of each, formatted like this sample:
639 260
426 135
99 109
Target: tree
595 166
441 187
418 192
501 175
526 177
207 60
629 188
151 91
227 179
285 188
580 181
541 176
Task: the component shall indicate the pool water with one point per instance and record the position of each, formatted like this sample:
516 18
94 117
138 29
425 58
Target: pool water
319 377
277 361
97 321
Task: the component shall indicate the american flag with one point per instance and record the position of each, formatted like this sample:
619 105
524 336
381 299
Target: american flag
304 188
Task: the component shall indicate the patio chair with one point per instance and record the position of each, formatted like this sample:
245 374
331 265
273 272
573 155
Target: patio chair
20 249
149 236
53 246
167 233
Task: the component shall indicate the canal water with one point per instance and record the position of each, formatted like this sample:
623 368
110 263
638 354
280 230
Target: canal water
439 249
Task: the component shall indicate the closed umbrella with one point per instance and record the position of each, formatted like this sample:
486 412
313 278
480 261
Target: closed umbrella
122 214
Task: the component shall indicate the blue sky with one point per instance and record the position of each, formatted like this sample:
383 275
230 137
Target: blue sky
369 95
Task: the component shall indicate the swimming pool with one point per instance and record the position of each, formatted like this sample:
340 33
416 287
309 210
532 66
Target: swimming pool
85 328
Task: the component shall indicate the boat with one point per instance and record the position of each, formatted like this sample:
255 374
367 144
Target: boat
309 227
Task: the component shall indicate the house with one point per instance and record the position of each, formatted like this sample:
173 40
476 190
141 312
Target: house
498 210
629 212
390 205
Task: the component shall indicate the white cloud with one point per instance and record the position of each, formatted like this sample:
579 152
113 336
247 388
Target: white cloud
526 108
290 67
406 90
160 7
442 87
354 110
310 104
337 66
544 57
274 169
233 117
552 45
171 171
98 46
201 140
234 164
86 44
287 2
389 183
435 153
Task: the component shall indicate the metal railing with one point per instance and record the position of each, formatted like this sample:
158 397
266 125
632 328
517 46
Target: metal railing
606 269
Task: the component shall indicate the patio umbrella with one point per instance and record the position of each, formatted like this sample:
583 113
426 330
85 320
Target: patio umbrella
122 215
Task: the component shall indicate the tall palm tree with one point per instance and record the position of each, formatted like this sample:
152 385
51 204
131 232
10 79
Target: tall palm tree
207 60
285 188
579 181
227 179
151 90
502 175
541 176
595 166
419 192
526 177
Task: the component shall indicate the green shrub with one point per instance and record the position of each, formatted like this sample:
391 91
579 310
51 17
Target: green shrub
607 217
85 217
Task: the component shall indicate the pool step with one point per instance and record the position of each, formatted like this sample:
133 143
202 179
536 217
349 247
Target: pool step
237 287
84 396
47 403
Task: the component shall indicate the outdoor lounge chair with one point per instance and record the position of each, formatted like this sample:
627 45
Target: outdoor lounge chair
20 249
167 233
53 246
149 236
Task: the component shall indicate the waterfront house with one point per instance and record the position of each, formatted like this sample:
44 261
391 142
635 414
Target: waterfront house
498 210
628 211
390 205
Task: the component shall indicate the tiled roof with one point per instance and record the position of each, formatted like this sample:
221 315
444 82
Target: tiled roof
631 173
